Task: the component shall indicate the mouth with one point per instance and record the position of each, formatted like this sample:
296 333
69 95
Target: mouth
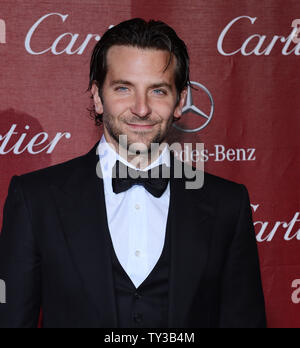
141 126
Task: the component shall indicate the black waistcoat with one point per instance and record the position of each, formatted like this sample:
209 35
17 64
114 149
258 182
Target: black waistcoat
146 306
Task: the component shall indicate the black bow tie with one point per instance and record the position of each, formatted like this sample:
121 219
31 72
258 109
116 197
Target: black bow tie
154 180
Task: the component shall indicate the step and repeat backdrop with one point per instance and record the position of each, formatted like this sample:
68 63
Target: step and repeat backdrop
245 107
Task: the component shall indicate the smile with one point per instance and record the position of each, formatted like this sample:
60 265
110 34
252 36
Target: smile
141 127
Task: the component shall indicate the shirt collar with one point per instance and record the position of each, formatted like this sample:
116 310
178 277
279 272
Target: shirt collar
108 157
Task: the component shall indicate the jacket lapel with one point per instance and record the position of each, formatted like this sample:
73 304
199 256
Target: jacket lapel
82 211
191 217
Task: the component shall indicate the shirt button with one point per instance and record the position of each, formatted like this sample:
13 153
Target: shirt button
137 296
138 318
137 207
137 253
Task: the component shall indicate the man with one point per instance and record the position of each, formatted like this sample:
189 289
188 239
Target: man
94 249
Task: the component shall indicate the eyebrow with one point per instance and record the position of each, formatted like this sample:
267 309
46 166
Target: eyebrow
121 82
155 85
162 84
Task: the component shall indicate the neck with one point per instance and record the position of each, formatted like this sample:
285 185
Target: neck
141 161
138 160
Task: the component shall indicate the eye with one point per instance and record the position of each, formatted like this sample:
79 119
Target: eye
159 91
121 89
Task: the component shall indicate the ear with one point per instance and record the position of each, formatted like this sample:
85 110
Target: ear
97 99
180 105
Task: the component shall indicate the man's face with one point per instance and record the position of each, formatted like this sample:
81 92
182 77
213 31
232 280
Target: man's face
139 97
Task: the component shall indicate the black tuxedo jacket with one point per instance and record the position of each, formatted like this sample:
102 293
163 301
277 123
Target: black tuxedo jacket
55 254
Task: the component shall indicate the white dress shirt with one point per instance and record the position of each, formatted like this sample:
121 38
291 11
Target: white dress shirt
136 219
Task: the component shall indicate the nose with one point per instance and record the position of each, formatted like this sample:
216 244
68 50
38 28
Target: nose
141 106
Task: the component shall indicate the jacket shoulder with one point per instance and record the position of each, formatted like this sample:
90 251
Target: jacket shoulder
56 174
224 189
214 180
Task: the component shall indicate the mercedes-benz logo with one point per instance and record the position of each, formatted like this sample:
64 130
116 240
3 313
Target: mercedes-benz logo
190 107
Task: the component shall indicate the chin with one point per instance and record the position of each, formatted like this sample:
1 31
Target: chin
139 149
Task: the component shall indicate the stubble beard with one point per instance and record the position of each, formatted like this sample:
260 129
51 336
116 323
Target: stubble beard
115 134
